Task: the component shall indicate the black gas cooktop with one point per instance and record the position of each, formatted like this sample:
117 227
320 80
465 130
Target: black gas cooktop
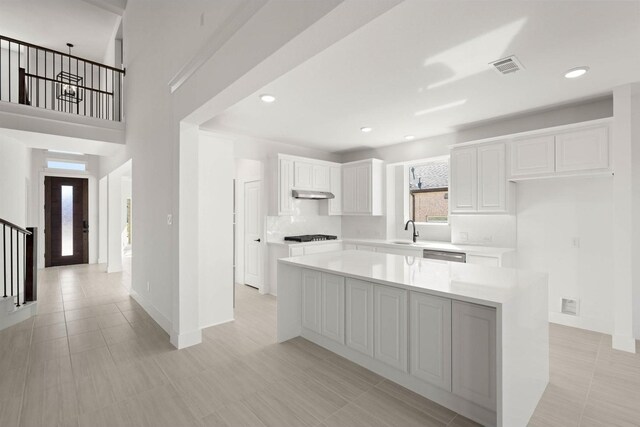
310 238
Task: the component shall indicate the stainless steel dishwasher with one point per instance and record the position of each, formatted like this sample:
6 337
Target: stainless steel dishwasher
444 255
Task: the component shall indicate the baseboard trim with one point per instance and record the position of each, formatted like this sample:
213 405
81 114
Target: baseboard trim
155 314
624 343
217 323
580 322
186 339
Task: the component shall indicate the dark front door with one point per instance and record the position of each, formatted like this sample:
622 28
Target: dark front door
66 212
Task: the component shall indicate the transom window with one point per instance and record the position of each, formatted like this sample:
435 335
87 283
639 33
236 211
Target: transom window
68 165
429 191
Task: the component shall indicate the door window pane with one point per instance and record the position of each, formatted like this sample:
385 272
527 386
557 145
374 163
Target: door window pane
67 220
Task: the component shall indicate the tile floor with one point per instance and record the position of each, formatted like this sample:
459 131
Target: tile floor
93 357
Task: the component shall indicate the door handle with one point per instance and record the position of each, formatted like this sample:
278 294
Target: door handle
257 240
85 226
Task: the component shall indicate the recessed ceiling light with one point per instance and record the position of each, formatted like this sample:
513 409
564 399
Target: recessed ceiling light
576 72
366 129
267 98
409 137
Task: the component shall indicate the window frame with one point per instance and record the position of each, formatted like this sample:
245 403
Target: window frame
409 210
78 162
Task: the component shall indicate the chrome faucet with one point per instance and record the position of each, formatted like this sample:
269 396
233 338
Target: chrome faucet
415 233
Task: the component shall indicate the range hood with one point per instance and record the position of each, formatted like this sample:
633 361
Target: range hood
313 195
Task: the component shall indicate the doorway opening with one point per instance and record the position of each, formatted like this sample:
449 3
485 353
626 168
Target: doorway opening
253 222
66 221
249 216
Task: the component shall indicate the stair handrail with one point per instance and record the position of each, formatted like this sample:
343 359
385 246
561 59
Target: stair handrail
15 227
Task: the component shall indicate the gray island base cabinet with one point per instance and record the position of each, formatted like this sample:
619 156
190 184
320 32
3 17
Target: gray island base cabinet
471 338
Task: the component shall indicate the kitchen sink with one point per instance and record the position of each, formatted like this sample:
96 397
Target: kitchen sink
402 242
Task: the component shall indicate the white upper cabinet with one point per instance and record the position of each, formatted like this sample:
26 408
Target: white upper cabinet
582 150
479 180
285 183
533 156
492 179
464 180
362 187
303 175
335 180
311 176
321 178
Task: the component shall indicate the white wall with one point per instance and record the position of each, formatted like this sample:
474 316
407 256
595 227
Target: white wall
125 194
103 216
552 214
15 181
635 131
215 198
206 234
15 160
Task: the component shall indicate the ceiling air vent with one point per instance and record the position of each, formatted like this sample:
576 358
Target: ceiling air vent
507 65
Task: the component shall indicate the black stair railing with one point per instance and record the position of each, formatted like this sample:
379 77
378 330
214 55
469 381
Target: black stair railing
46 78
16 257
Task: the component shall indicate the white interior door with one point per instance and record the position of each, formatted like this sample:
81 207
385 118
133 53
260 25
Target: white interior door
253 234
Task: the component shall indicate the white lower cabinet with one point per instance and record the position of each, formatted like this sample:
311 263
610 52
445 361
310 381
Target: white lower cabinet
445 343
311 297
430 327
474 353
390 326
359 316
489 261
332 307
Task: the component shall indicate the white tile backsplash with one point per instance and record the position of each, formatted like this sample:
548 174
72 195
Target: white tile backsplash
484 230
364 227
280 226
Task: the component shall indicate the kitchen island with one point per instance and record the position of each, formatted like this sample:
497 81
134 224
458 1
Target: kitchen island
471 338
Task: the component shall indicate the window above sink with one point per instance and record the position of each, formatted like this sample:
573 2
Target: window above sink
428 188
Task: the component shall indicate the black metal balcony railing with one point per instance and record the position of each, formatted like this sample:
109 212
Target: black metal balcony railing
45 78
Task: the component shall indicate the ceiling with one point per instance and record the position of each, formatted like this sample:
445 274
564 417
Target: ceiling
89 25
422 69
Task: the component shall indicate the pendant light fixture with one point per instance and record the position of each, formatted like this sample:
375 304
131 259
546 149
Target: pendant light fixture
68 86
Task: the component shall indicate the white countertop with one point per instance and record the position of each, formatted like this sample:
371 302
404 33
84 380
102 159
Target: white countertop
426 244
491 286
289 243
